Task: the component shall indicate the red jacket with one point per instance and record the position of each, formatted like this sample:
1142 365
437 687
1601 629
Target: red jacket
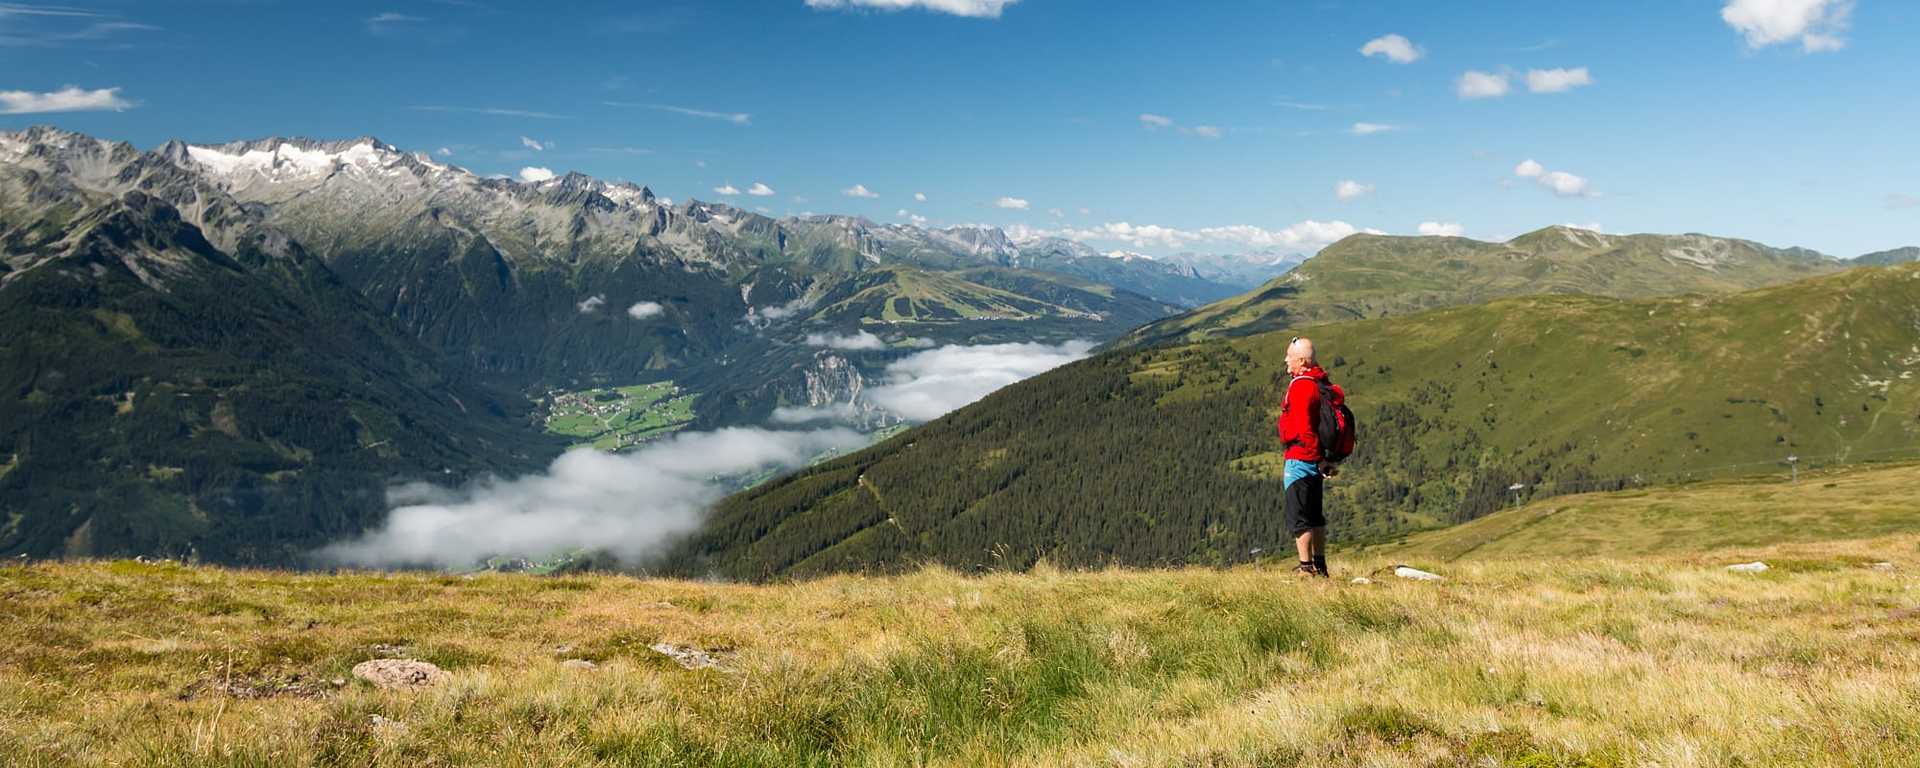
1296 414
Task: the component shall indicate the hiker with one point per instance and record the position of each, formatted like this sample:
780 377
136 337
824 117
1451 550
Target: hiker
1317 430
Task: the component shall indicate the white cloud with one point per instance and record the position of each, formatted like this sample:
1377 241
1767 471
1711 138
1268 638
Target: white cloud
1817 24
918 220
1206 131
1397 49
1441 229
760 190
377 24
645 309
983 9
859 190
443 152
726 190
802 414
926 385
535 173
68 99
1056 213
533 144
1153 122
902 213
1368 129
1011 203
1557 80
919 197
1351 190
1481 85
1560 182
590 304
863 340
632 504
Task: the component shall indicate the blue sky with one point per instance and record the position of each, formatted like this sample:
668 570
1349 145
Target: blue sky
1219 125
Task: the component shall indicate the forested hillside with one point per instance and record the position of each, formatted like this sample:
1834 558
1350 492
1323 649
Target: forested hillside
1167 455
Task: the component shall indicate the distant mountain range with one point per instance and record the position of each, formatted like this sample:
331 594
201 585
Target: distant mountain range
1889 257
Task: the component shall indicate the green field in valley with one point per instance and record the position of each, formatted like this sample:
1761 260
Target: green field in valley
618 418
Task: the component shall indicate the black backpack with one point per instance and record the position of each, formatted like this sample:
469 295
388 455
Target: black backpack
1333 422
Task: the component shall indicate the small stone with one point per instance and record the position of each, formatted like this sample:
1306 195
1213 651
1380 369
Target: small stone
687 656
578 664
1416 574
1361 580
1882 566
399 674
1753 567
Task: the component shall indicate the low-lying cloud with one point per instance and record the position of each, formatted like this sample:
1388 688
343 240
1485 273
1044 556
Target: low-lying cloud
630 504
927 385
862 340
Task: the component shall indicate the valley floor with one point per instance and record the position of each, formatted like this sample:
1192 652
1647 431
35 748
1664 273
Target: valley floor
1668 660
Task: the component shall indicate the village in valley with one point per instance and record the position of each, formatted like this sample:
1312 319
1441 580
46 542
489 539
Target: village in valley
619 418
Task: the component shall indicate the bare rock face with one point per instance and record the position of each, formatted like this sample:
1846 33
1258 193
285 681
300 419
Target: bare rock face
399 674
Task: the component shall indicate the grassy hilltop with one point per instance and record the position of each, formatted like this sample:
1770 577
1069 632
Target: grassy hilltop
1532 660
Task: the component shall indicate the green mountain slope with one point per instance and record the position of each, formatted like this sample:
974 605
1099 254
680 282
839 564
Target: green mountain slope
1853 503
1366 276
1167 455
1889 257
243 405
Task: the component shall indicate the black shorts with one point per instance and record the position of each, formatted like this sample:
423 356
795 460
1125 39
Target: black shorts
1303 507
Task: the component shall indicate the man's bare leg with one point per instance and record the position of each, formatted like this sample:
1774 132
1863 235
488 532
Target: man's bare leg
1317 540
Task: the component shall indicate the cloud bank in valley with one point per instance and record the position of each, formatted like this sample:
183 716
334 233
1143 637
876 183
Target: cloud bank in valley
631 504
926 385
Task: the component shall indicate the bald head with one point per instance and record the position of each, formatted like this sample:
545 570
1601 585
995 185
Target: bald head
1300 355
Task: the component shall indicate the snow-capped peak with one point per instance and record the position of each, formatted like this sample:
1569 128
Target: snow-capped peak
1128 255
286 159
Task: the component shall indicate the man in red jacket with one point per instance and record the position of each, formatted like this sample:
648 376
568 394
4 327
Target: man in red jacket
1306 469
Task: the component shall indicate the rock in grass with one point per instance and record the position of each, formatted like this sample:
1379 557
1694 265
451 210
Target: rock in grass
1362 580
399 674
687 656
1753 567
578 664
1882 566
1416 574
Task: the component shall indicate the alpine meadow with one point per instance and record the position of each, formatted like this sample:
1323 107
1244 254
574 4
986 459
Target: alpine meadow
689 383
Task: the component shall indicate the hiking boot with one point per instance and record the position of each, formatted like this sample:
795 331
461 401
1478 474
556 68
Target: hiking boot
1306 569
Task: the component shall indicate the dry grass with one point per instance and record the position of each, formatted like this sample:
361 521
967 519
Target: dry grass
1664 661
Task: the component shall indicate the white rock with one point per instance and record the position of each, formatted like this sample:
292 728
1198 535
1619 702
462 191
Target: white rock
1416 574
1362 580
1753 567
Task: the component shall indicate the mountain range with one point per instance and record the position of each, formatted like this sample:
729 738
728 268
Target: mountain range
232 350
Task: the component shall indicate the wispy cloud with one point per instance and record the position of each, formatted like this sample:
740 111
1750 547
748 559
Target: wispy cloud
1302 106
621 150
980 9
1368 129
859 190
760 190
1351 190
384 23
497 111
535 144
51 26
1011 203
1152 121
1441 229
860 341
726 190
737 118
68 99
